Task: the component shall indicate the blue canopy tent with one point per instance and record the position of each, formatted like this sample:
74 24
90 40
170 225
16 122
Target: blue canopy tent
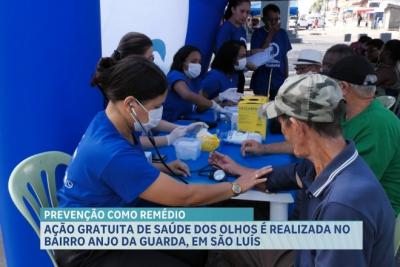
46 102
293 11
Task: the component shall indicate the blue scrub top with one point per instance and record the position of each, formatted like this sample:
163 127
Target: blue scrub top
229 32
175 106
106 170
281 45
217 81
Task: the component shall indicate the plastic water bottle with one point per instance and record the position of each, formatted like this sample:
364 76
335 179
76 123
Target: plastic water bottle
234 121
224 126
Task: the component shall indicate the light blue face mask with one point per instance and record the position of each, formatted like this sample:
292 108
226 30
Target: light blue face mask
154 118
193 71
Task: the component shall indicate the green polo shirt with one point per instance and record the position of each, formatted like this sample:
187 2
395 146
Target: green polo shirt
376 133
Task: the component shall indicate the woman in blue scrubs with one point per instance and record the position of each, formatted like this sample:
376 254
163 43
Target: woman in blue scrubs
139 44
233 29
109 168
230 58
183 97
234 18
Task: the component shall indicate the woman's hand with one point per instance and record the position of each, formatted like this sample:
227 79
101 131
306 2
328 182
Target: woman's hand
253 178
227 164
250 65
228 103
196 127
179 168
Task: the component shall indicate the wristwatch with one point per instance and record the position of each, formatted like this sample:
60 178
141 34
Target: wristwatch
236 189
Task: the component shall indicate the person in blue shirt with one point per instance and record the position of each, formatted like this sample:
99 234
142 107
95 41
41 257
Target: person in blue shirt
267 79
337 182
139 44
229 58
183 97
109 168
232 29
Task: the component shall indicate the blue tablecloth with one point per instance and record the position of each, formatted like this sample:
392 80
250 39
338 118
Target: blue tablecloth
232 150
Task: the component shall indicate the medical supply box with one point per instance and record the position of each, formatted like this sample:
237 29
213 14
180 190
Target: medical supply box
248 119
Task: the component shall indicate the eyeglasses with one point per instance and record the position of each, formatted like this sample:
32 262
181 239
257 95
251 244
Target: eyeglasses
302 67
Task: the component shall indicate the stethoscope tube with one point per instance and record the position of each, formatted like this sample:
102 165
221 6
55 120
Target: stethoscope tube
150 136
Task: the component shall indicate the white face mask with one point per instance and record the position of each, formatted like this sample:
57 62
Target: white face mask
241 64
193 71
155 116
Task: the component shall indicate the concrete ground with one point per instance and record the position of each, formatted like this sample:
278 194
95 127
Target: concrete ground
322 39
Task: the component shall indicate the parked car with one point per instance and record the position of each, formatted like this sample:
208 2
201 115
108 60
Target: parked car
303 23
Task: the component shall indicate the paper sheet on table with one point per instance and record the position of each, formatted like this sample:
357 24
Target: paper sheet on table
260 58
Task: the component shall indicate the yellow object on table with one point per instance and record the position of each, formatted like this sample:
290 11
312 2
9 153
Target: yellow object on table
209 142
248 119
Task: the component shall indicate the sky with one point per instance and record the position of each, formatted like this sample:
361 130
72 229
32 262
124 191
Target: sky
304 5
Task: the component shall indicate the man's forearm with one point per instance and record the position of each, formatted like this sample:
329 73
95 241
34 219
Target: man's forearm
278 148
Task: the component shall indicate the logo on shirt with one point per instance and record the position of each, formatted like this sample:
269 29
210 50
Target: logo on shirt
67 183
273 51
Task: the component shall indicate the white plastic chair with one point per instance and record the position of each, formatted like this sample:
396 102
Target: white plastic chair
27 174
387 100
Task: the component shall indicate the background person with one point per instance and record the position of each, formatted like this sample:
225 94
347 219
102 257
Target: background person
268 78
373 50
374 129
309 60
183 97
233 29
222 76
360 47
334 54
388 70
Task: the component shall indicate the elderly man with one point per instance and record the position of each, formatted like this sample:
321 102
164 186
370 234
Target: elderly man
309 60
374 129
337 182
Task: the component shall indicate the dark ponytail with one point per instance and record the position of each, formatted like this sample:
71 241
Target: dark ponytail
231 4
129 76
132 43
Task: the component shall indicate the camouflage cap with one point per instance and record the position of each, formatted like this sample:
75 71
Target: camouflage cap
308 97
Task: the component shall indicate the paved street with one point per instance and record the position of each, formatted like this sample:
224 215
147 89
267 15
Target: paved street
321 39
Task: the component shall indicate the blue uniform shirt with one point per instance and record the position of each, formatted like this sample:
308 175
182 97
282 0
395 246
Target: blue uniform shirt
345 190
106 170
280 45
229 32
217 81
175 106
